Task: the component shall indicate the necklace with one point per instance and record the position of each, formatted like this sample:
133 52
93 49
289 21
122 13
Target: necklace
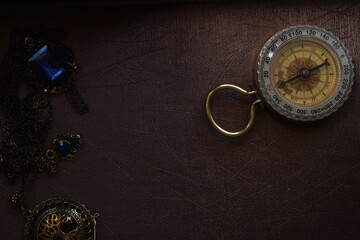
35 67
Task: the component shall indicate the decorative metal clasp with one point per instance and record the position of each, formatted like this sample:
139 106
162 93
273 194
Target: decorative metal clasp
252 110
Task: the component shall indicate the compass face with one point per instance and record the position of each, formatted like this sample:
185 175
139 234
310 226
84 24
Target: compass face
305 73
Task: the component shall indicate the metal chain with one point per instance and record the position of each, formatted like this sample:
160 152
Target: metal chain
26 121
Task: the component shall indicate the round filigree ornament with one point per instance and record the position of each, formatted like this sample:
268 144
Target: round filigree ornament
60 219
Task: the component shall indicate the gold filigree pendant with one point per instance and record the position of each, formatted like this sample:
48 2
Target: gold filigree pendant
60 219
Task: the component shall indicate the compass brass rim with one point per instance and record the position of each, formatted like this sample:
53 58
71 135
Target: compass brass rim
268 50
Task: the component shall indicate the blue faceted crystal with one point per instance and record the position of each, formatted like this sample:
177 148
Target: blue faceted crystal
63 148
46 69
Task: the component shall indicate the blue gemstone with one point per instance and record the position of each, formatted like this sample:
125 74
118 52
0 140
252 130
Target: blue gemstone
63 148
46 69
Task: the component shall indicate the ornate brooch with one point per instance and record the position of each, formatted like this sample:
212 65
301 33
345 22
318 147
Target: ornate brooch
60 219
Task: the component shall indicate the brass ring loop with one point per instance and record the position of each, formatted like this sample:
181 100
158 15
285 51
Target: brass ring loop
28 41
50 154
252 110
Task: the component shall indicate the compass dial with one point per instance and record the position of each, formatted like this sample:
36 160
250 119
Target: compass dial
311 87
305 73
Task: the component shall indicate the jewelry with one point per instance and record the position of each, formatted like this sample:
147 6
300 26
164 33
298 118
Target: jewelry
36 60
64 146
60 219
304 73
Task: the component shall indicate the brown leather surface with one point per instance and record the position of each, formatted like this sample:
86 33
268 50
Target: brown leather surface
152 165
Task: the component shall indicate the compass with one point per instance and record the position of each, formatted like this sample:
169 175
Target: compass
304 73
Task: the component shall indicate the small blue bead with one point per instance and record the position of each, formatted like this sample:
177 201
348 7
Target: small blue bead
63 148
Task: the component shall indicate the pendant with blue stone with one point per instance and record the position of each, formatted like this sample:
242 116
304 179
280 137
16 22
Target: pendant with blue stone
51 66
64 146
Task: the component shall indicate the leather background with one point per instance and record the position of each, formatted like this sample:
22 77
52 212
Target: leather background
152 165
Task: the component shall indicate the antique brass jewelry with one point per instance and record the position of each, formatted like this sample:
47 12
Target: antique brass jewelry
62 219
36 60
64 146
252 110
